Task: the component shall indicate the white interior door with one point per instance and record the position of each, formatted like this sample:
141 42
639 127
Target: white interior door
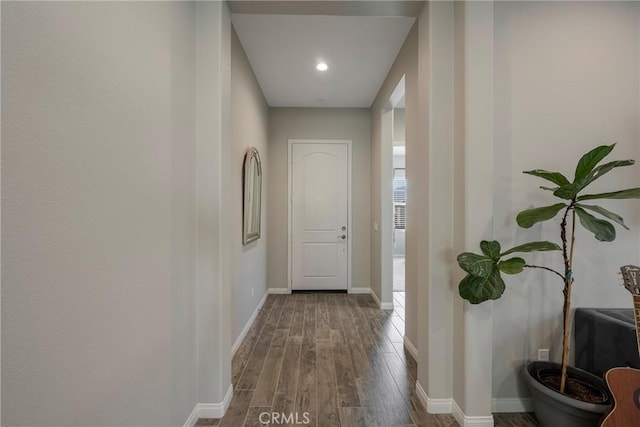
319 215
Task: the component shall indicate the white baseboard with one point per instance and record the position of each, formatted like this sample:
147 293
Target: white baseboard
382 305
279 291
375 297
210 410
413 351
469 421
433 406
193 418
516 404
360 291
246 328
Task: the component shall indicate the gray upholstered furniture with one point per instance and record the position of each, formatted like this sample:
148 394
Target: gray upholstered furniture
605 338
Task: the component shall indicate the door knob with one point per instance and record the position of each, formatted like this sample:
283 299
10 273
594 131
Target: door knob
344 236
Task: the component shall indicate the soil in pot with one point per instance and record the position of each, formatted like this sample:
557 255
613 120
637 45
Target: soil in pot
574 387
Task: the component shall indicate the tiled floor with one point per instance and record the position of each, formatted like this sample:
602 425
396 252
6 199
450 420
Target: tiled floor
398 274
334 359
398 306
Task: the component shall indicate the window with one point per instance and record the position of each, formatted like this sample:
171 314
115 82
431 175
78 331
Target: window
399 199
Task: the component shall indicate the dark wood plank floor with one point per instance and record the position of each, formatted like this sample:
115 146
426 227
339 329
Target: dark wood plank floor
330 360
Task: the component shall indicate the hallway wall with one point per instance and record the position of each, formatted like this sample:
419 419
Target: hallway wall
249 111
318 123
99 213
561 88
556 87
406 64
399 125
213 173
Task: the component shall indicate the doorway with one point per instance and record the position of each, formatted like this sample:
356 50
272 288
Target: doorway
399 213
319 215
399 201
394 202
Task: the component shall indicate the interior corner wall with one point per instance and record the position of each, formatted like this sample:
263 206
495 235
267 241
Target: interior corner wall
398 125
437 288
318 123
478 210
566 80
459 196
213 192
249 112
406 63
98 213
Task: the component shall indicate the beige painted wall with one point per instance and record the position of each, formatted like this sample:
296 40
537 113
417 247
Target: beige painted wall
98 230
213 171
249 112
459 226
561 88
318 123
406 64
436 77
558 87
115 267
398 126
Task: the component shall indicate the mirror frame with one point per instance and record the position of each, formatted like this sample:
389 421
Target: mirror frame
252 182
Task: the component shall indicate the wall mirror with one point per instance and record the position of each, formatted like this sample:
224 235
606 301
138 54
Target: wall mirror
252 196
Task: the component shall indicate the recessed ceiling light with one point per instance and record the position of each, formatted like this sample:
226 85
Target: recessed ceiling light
322 66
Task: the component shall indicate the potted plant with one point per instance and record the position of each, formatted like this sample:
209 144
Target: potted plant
562 396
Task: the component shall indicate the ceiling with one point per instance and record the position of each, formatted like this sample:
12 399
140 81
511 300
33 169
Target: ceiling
283 48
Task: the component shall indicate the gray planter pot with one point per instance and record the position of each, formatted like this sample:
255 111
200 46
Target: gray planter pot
554 409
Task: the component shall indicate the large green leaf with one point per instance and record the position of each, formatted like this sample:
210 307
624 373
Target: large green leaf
603 230
555 177
533 247
479 289
605 213
567 192
491 249
529 217
631 193
477 265
590 160
512 265
603 169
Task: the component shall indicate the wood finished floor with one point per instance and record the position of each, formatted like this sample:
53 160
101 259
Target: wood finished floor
335 356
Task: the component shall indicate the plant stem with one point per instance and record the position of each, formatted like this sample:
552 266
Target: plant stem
563 236
573 237
568 281
545 268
